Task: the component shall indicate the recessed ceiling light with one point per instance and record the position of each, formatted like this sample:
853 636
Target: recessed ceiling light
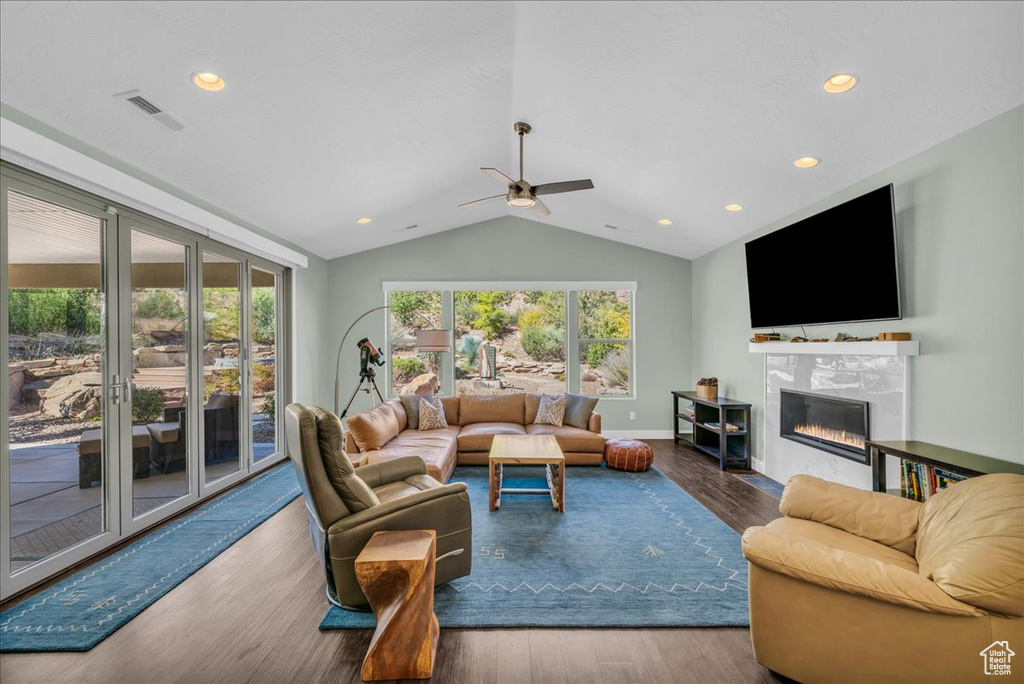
807 162
208 81
364 220
665 222
839 83
734 207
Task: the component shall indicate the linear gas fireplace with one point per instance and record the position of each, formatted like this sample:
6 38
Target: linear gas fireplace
839 426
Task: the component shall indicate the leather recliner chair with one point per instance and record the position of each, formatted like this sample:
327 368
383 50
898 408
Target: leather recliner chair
346 508
855 586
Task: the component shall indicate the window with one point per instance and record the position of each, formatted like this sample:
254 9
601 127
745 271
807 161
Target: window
412 311
509 341
605 342
549 340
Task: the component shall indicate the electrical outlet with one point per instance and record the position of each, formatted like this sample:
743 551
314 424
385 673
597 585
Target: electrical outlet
632 415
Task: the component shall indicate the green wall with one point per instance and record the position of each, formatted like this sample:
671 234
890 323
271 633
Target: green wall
960 226
309 285
510 248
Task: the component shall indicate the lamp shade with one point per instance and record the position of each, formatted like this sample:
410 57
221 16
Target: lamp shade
434 340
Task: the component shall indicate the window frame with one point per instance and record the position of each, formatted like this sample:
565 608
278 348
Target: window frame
573 342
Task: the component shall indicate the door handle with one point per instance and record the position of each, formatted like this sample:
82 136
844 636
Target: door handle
116 388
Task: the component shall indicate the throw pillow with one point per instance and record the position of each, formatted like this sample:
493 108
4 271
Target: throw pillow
550 411
577 410
432 415
411 402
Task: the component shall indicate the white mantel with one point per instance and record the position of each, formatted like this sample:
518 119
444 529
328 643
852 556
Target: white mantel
872 348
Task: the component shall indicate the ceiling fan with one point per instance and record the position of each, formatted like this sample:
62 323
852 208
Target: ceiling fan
521 194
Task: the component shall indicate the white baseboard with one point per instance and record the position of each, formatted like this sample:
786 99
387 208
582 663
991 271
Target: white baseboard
638 434
757 465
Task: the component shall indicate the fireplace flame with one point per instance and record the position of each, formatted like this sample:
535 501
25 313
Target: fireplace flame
830 435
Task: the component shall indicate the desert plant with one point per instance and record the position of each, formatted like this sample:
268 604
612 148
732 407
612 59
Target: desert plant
616 368
491 317
157 303
469 347
147 405
270 408
406 368
543 343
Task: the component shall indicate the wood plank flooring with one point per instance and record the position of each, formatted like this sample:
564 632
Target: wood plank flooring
251 615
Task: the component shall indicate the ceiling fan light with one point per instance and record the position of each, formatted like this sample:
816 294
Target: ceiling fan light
522 202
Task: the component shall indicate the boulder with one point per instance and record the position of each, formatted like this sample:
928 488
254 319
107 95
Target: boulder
156 357
76 396
15 381
421 384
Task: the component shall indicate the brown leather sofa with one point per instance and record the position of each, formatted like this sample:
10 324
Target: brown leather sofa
345 508
855 586
382 434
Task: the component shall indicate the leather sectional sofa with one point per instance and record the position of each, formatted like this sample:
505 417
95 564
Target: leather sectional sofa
383 433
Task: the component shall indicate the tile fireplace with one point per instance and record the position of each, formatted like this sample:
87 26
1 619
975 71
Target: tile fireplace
833 424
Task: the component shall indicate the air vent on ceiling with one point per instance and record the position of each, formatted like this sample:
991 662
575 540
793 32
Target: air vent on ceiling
621 230
402 230
151 109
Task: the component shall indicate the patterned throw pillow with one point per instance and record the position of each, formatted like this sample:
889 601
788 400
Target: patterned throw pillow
551 411
432 415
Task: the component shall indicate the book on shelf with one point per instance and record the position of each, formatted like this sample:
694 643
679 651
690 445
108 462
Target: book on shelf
729 427
920 482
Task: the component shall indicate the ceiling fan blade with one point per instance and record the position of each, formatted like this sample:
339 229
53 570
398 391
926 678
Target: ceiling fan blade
540 209
481 201
500 177
564 186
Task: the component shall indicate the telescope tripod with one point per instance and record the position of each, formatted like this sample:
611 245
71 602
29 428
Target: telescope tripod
368 377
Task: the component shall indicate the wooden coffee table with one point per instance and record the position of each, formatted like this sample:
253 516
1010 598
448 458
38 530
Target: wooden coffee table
527 450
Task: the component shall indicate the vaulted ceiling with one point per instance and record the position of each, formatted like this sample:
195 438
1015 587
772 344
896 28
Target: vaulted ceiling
336 111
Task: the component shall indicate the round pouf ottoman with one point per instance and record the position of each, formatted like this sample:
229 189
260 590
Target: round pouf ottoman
630 455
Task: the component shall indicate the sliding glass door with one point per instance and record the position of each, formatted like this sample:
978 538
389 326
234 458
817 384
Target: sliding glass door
145 368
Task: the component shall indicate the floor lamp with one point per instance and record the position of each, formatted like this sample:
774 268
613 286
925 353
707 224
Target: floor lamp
431 340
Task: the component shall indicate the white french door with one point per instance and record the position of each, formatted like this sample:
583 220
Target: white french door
144 373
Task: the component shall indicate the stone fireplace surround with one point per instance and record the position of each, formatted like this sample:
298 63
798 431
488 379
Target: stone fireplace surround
880 379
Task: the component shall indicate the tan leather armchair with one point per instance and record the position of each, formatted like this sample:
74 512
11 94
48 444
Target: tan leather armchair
855 586
345 509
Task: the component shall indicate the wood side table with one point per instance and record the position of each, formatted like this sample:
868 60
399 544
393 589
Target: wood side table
396 572
527 450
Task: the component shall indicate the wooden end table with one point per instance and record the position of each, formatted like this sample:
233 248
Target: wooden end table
396 572
526 450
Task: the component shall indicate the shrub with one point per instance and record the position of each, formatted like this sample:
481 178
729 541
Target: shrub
264 314
543 343
469 347
616 368
262 378
491 318
157 303
56 310
465 314
221 380
406 368
407 305
270 408
147 405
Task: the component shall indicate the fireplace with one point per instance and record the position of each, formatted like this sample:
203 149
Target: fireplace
838 426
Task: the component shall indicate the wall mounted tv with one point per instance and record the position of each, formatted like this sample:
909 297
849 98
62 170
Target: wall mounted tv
838 266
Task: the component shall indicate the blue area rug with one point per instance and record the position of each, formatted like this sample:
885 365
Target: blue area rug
631 550
89 606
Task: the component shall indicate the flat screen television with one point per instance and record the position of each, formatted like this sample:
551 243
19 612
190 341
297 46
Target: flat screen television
838 266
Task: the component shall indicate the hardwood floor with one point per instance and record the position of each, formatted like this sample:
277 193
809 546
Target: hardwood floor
251 615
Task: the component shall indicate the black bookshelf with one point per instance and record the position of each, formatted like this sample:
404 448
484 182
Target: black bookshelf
955 461
730 449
